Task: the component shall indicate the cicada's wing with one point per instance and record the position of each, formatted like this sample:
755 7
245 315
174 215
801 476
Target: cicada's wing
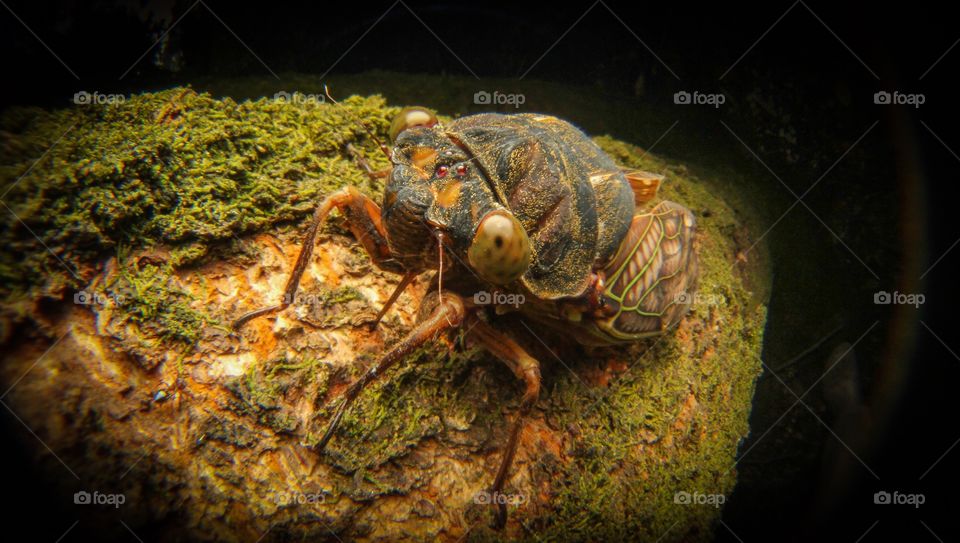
644 184
653 276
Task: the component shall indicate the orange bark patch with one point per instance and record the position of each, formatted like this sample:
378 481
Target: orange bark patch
330 276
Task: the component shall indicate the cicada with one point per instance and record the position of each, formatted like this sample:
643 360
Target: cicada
502 208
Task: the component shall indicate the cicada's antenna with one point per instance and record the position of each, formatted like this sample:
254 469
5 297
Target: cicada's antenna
440 268
380 144
440 238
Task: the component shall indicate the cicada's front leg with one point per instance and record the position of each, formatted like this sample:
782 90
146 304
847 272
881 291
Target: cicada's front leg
363 219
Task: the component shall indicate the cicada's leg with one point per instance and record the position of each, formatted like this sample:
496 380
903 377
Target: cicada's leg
407 279
446 313
525 367
363 219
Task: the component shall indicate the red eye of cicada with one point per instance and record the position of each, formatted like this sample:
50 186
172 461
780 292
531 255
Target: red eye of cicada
442 171
461 170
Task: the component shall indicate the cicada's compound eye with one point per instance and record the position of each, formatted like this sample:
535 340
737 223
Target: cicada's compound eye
500 251
458 170
410 117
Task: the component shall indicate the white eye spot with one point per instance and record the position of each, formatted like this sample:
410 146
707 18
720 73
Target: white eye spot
409 118
498 228
500 252
418 117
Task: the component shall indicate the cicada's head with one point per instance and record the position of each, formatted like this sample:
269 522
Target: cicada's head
437 196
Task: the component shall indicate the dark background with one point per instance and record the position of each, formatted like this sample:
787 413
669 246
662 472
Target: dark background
799 98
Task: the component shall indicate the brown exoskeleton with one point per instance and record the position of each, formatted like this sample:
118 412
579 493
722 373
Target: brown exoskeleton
523 204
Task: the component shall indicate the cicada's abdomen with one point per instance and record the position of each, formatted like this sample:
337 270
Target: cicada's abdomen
651 281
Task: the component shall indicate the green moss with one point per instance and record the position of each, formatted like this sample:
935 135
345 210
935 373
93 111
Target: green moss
187 253
148 296
261 391
171 168
393 413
